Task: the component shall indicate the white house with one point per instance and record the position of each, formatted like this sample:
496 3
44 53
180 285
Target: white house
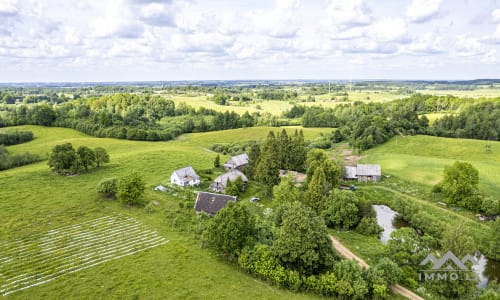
184 177
363 173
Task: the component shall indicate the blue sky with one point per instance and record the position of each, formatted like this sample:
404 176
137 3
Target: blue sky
123 40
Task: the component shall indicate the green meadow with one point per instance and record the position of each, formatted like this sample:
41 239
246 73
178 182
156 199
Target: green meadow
33 201
422 159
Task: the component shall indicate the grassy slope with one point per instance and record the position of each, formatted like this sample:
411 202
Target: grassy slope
34 200
422 159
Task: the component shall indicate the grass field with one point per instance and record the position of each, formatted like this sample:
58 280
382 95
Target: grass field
278 107
34 202
476 93
423 158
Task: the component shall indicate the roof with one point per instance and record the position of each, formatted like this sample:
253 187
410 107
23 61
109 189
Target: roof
187 172
237 161
231 175
368 170
211 203
350 172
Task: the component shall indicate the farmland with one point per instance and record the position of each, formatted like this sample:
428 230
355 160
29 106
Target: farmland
36 202
423 158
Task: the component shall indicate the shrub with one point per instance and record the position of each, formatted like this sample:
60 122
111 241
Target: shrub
108 186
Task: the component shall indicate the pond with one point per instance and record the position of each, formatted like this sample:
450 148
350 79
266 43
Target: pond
486 269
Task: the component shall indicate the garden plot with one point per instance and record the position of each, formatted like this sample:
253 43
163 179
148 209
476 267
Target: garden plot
45 257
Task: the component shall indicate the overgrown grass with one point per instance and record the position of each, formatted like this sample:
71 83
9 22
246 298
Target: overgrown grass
423 158
34 200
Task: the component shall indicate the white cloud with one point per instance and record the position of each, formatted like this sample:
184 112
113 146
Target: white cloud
8 7
426 44
157 14
348 13
421 11
496 15
388 30
118 20
467 45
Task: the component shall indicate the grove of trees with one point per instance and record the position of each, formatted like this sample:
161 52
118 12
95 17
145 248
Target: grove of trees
64 159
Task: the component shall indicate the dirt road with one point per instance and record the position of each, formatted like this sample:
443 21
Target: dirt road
396 289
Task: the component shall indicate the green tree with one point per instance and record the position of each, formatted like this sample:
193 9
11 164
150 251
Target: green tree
230 230
101 156
130 189
342 209
217 161
231 188
460 185
284 150
456 239
268 166
302 242
369 226
298 152
240 185
286 191
87 157
350 284
317 190
63 159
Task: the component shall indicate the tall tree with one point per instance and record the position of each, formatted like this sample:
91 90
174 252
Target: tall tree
298 152
87 157
284 150
267 171
317 190
342 209
286 191
460 185
217 161
302 242
101 156
63 158
130 189
230 230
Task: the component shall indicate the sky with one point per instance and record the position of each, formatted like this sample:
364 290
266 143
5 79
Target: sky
149 40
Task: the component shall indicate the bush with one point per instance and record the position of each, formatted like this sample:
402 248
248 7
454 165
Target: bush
369 226
108 186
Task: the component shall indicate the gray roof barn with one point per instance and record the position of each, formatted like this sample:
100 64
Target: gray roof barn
368 170
237 161
219 184
211 203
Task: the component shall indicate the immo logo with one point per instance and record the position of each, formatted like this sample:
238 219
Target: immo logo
448 267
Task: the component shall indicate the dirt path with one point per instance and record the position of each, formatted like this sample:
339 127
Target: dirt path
396 289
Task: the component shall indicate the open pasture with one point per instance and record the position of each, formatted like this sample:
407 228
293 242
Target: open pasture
45 257
423 158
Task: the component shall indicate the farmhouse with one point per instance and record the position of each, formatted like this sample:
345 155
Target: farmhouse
184 177
236 162
363 173
211 203
219 184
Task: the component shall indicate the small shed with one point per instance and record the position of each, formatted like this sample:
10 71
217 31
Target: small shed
367 173
211 203
350 173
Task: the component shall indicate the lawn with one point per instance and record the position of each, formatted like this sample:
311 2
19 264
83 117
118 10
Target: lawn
33 201
423 158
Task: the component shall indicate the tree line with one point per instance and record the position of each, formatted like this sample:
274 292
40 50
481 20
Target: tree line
8 161
15 137
127 116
